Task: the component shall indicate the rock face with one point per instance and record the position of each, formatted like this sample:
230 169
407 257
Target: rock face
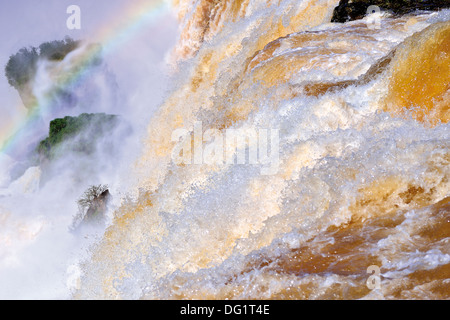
92 208
82 132
80 146
349 10
98 207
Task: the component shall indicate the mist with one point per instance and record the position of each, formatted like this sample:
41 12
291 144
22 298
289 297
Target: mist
39 252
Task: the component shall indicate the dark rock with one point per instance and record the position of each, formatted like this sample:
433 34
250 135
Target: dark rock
98 207
22 66
349 10
92 209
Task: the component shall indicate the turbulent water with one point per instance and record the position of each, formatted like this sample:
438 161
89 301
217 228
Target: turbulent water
352 198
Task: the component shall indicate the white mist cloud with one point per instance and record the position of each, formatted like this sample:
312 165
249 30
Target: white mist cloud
38 254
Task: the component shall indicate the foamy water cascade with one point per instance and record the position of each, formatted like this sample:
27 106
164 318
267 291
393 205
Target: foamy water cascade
361 116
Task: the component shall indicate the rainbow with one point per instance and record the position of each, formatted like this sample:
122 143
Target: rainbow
130 20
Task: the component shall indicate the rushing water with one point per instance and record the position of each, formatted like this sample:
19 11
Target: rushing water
354 201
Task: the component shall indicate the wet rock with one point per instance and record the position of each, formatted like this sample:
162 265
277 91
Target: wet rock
349 10
83 132
22 67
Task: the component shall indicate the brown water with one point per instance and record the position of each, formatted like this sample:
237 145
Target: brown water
362 181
